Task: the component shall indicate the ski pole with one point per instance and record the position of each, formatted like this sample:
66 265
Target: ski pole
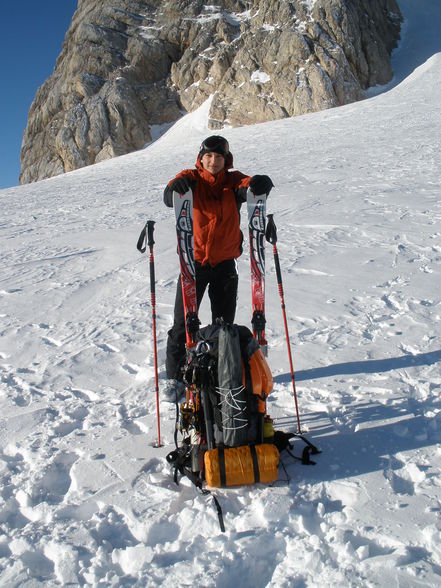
271 237
148 230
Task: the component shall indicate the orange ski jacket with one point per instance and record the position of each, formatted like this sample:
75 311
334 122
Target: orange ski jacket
216 204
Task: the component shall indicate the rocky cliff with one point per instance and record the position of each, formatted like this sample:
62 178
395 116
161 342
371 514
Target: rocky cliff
128 65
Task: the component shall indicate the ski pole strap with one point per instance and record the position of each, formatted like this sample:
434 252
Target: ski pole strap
140 246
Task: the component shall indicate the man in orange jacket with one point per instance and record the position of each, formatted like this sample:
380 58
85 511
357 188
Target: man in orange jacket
218 193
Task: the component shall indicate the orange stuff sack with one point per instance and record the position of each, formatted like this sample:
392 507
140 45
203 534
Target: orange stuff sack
235 466
261 378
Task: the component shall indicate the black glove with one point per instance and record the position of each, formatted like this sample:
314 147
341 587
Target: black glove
181 185
261 185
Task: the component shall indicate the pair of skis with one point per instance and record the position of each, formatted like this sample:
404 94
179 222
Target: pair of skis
256 207
258 232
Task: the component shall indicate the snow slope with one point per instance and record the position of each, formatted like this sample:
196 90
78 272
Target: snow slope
85 498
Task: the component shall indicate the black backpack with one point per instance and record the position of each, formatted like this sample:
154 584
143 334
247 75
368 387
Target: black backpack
226 441
230 372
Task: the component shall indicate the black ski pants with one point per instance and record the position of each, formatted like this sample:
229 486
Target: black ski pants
222 282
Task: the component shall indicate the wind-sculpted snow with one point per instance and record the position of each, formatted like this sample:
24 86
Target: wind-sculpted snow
85 498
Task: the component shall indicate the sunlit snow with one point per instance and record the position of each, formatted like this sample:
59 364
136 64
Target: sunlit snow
85 498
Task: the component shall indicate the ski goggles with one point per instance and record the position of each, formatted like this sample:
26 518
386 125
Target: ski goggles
214 144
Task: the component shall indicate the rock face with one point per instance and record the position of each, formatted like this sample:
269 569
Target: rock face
128 65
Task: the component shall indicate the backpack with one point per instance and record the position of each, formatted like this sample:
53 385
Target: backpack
227 440
228 381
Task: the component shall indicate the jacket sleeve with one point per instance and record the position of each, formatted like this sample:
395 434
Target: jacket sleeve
168 192
242 183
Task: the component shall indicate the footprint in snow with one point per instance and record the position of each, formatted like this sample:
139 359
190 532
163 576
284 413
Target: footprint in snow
107 347
365 547
51 342
44 326
38 566
53 481
131 368
19 390
404 478
84 394
10 291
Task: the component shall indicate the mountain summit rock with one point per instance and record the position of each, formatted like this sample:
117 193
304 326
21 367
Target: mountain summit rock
128 65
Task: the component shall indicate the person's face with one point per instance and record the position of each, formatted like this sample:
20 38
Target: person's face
213 162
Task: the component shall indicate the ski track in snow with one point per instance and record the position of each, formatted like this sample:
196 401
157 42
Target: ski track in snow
85 498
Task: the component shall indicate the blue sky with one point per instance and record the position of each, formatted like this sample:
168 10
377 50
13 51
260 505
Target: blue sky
31 38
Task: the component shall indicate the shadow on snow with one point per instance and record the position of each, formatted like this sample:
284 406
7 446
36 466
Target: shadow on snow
365 437
370 366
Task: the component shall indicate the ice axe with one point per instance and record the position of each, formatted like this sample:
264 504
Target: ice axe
271 237
147 235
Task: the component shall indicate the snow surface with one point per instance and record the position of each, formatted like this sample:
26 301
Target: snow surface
85 498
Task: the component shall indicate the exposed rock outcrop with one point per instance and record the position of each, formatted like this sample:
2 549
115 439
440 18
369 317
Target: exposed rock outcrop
127 65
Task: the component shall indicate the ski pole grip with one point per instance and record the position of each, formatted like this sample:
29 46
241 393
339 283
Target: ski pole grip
271 230
150 228
150 242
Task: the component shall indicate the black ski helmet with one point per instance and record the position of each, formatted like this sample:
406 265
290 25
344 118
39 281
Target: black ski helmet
214 144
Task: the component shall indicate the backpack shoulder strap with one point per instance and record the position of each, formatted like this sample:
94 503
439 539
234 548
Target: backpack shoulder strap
180 460
281 441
